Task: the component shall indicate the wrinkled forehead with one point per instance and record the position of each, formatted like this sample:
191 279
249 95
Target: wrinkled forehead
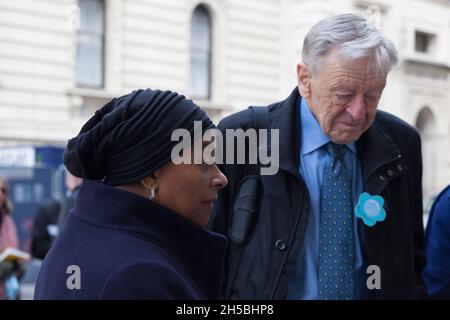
339 71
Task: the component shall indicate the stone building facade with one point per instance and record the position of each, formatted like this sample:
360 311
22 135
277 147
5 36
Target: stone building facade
62 59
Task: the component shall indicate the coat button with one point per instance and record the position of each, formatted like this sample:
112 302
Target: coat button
280 245
400 167
382 178
390 173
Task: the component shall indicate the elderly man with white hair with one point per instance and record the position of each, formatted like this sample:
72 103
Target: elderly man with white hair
342 218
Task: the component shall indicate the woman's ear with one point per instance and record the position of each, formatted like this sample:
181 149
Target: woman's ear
150 182
304 80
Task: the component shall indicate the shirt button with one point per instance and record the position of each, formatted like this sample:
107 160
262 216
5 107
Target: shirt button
382 178
400 167
280 245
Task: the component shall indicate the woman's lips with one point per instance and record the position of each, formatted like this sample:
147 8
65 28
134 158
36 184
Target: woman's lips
210 203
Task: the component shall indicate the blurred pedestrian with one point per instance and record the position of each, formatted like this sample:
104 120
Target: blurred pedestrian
51 216
10 271
437 248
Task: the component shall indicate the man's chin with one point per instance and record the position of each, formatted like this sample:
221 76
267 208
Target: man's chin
345 138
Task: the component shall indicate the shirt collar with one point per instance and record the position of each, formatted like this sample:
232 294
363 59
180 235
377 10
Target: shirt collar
312 135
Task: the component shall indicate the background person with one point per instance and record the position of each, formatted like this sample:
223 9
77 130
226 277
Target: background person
51 216
437 244
10 271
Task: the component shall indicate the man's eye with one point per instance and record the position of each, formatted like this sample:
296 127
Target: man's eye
371 98
344 96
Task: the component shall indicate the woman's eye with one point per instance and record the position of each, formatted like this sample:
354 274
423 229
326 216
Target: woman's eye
209 161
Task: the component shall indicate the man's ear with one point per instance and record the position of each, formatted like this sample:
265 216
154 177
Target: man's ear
304 80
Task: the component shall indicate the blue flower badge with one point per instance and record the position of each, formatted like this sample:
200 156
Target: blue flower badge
370 209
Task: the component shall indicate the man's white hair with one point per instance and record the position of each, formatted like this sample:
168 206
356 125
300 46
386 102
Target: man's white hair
354 37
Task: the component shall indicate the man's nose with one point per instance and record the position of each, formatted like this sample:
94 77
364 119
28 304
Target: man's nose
357 108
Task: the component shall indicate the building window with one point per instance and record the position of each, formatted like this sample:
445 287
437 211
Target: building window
200 51
423 41
426 125
90 44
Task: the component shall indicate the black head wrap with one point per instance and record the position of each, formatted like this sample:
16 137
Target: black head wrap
129 138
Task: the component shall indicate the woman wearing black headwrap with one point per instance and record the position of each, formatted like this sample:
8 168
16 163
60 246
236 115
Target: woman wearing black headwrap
136 231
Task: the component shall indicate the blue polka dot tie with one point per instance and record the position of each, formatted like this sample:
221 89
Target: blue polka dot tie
336 229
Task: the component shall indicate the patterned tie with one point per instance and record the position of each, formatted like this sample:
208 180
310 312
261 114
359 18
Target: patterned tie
336 229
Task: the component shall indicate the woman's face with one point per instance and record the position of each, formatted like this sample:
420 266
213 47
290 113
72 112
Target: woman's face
189 189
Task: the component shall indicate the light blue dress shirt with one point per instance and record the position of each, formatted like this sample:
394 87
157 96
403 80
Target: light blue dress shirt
313 159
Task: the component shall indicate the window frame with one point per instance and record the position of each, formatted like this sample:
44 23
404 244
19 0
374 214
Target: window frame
209 50
102 37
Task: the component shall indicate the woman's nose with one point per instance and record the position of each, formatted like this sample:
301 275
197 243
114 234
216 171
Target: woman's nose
219 181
